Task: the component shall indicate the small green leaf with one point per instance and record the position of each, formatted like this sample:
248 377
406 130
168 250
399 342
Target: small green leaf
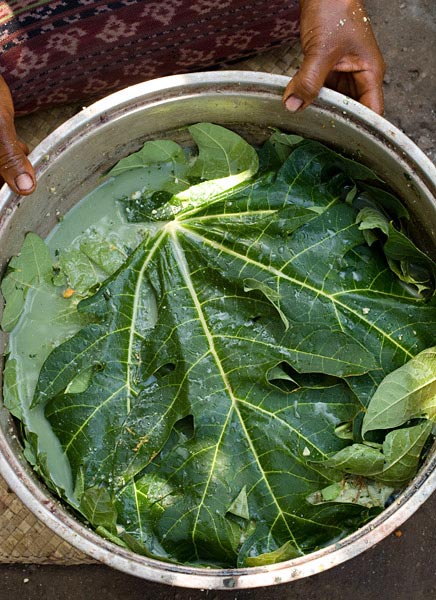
354 490
285 552
11 396
402 450
344 431
108 535
79 486
406 393
105 253
277 149
376 197
331 492
84 267
394 464
81 382
221 153
371 218
351 194
239 506
153 153
414 266
29 454
357 459
381 217
29 269
98 507
80 272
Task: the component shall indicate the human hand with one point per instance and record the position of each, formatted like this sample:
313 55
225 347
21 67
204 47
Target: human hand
15 167
340 51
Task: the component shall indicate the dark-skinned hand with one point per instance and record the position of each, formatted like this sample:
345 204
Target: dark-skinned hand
15 167
340 52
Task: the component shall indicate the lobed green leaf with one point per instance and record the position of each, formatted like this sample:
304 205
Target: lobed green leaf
29 269
222 356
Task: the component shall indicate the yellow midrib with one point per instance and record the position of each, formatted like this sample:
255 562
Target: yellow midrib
184 270
277 273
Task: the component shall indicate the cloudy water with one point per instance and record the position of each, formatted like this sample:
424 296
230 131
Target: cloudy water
49 319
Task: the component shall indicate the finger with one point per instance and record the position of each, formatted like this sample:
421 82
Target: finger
369 90
24 147
361 86
342 83
305 86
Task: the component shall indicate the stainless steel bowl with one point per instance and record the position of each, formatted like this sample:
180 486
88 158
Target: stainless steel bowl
69 164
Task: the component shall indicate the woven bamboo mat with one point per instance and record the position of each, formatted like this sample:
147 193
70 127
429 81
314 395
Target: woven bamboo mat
284 60
23 539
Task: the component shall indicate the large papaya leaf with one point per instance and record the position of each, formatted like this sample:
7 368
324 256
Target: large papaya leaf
205 456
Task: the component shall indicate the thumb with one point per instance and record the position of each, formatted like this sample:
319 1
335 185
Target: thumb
306 84
15 167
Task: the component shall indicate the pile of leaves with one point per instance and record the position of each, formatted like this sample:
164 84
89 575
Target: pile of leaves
256 379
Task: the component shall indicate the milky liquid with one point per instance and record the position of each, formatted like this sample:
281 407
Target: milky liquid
49 319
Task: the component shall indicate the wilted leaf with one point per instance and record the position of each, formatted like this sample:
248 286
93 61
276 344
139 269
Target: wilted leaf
356 490
357 459
285 552
409 263
402 450
394 464
406 393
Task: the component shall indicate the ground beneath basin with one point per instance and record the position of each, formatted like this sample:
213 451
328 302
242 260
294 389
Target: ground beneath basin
403 566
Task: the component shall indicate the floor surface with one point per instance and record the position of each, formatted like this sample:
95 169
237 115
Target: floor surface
403 566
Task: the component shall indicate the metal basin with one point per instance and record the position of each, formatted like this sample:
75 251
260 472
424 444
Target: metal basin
69 163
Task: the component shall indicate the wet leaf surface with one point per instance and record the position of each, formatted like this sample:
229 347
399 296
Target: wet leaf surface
224 353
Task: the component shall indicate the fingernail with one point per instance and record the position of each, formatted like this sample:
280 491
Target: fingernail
24 182
293 103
